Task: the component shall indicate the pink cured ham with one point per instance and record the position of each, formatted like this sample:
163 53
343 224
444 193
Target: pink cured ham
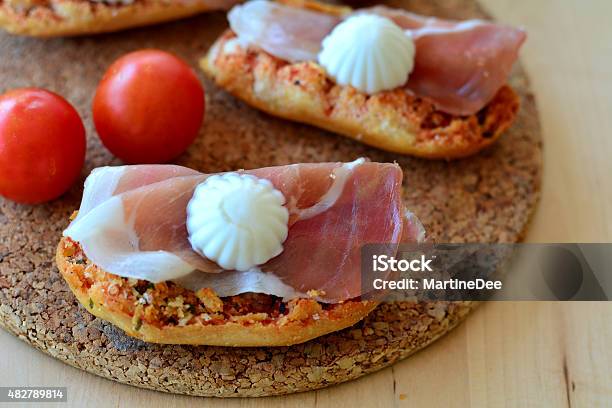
132 223
459 66
290 33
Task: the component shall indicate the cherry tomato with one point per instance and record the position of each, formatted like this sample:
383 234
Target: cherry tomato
148 107
42 145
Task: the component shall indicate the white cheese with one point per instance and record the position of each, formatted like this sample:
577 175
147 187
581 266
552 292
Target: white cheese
369 53
237 220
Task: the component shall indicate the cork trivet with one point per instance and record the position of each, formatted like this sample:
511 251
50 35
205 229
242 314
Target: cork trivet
486 198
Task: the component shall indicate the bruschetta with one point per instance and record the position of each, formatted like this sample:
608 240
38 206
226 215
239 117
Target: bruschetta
453 104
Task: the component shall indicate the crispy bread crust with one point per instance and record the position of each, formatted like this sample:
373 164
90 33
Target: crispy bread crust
303 320
391 120
52 18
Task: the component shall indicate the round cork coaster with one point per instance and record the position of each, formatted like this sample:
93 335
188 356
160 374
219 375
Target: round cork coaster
486 198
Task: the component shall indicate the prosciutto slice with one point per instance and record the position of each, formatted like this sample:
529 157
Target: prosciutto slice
459 66
132 223
290 33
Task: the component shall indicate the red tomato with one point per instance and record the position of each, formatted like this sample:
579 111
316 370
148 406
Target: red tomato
148 107
42 145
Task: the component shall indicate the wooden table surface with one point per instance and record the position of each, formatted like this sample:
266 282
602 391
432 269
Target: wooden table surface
506 354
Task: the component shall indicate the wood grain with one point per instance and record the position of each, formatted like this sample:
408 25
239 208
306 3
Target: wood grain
507 354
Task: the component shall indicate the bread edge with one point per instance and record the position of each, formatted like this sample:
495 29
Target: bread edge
232 334
72 18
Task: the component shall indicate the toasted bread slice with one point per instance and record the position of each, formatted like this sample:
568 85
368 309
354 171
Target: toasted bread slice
51 18
393 120
166 313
